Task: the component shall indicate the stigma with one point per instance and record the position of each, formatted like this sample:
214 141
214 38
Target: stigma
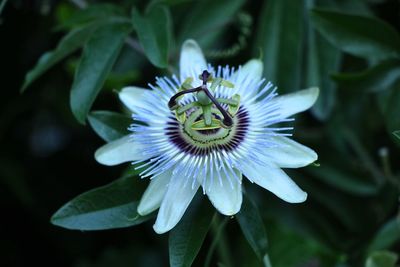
214 112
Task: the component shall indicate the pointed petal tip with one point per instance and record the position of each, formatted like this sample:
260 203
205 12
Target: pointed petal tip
118 151
255 67
299 101
132 96
232 211
101 157
314 91
192 61
144 209
190 43
160 229
299 199
141 210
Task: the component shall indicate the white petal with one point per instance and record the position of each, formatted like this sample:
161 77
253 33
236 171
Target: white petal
154 194
275 180
290 154
121 150
175 202
132 97
251 70
293 103
192 62
225 197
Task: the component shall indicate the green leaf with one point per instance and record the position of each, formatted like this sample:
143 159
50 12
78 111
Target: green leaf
93 12
397 134
107 207
99 55
289 248
253 227
206 20
388 235
322 59
358 35
68 44
186 238
380 77
344 181
109 125
154 30
382 259
280 40
389 102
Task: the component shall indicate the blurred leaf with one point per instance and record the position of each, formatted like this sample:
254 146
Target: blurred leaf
13 177
355 7
93 12
382 259
291 249
186 238
252 227
387 236
389 102
107 207
280 39
345 181
68 44
154 30
381 77
358 35
99 55
323 59
120 80
109 125
397 134
205 20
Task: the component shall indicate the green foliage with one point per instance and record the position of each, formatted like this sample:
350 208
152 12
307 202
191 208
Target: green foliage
358 35
344 180
381 77
107 207
397 134
187 237
322 59
204 21
154 30
388 235
99 55
382 259
93 13
389 102
252 226
280 37
109 125
68 45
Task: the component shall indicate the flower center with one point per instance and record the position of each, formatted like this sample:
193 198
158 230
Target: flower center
203 142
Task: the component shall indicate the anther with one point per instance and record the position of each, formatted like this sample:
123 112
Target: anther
204 76
172 102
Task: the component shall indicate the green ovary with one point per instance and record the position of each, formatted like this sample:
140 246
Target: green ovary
207 138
